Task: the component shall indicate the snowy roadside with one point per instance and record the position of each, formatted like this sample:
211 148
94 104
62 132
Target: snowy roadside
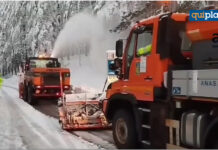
23 127
11 81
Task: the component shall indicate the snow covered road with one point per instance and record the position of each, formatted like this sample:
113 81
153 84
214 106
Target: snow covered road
102 138
23 127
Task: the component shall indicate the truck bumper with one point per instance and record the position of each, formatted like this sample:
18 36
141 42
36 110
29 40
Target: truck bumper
46 95
47 91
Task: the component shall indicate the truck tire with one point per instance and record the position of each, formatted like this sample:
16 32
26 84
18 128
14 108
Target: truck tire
213 141
30 98
124 131
215 144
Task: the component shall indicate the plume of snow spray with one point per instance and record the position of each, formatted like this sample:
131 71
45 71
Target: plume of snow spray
85 38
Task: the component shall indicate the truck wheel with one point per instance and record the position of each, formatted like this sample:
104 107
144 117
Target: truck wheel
215 145
30 98
124 131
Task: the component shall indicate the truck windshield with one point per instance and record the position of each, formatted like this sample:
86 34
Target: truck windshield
43 63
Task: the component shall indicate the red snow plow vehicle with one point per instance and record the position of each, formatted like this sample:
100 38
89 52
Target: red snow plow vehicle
79 111
40 78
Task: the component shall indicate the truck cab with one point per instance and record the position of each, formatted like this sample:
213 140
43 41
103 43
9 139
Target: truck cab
146 71
141 101
41 79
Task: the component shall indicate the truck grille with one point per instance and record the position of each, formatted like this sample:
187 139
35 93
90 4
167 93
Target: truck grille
51 79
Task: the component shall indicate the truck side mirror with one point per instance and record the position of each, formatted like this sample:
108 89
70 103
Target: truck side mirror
119 48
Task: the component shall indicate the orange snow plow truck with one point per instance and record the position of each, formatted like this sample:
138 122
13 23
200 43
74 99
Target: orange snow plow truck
167 92
43 78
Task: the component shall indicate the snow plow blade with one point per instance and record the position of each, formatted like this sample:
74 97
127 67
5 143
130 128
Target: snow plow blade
81 115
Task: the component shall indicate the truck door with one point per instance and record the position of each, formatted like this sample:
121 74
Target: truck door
139 67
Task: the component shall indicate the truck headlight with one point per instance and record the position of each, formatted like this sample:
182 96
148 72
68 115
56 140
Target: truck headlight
38 86
66 87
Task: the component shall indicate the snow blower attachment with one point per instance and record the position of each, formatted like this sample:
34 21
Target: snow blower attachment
82 110
79 111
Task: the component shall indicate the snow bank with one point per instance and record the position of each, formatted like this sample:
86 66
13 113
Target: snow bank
11 82
23 127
